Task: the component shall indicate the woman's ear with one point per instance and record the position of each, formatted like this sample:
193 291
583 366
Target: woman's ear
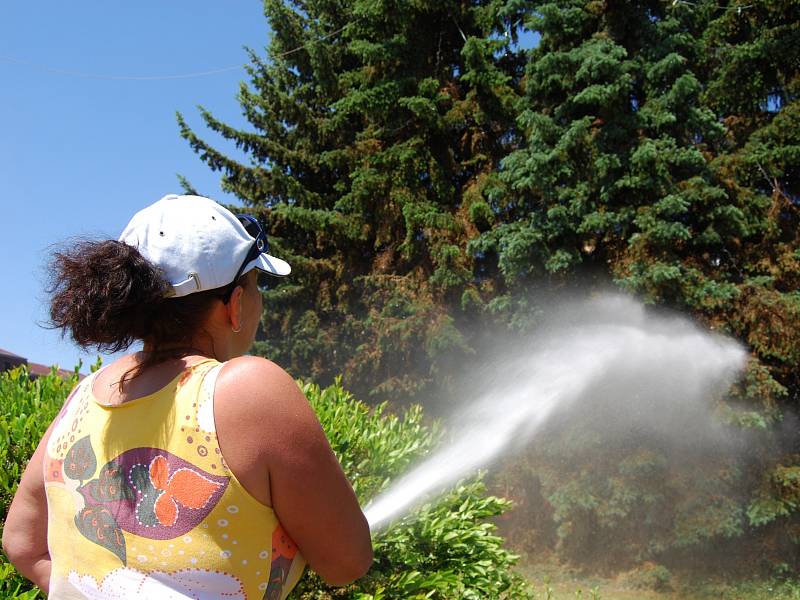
235 309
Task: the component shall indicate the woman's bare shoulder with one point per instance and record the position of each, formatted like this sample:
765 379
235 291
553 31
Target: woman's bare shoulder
242 369
255 387
254 375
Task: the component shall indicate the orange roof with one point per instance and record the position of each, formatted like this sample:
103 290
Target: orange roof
36 369
40 370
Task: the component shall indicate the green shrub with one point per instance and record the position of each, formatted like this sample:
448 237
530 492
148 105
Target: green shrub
28 407
447 550
599 504
650 576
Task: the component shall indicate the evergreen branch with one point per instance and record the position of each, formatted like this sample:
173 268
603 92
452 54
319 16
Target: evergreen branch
738 9
187 186
464 37
773 183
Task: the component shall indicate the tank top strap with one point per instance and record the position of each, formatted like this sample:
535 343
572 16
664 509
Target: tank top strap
206 379
64 426
193 405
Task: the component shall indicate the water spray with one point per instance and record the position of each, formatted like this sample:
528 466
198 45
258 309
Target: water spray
594 354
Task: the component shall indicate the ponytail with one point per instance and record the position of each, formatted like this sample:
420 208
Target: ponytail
106 295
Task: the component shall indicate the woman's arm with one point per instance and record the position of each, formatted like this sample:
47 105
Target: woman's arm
25 527
309 491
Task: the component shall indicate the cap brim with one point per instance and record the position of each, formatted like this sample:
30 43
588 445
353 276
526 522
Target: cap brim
269 264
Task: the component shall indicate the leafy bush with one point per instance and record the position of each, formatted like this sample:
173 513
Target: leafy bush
597 504
650 576
447 550
28 407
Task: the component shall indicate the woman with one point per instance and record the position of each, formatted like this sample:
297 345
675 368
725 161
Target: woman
187 469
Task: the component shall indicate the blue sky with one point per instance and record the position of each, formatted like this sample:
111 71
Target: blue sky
86 144
79 155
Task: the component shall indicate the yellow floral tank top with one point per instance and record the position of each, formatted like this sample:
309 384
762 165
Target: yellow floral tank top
142 505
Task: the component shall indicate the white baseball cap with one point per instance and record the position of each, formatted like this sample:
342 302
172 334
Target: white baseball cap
198 244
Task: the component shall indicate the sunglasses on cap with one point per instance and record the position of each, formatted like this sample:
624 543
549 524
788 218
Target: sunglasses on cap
260 245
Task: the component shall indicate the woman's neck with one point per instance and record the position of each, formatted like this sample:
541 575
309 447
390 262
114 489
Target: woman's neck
177 350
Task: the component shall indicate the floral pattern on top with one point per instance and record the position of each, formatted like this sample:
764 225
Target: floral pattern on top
187 583
146 491
164 494
284 551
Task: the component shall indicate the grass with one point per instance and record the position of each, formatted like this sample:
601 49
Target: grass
551 582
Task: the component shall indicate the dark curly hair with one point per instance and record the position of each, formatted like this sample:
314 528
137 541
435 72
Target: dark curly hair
106 295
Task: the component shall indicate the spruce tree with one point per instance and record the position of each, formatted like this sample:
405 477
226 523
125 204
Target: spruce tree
374 126
658 145
613 168
753 64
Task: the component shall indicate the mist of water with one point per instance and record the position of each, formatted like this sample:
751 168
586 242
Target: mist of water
608 357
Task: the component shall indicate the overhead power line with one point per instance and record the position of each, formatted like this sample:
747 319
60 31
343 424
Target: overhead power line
192 75
738 8
84 75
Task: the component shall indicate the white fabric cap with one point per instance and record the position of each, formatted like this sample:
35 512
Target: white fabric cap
198 244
